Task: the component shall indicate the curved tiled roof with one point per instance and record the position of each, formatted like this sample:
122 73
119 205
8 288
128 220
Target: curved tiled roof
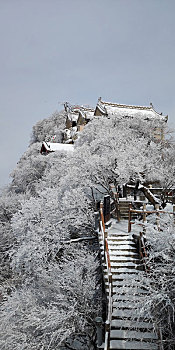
82 108
112 107
125 106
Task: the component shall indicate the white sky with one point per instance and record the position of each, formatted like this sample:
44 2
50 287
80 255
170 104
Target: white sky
77 50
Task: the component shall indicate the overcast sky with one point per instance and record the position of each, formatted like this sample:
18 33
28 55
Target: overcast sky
77 50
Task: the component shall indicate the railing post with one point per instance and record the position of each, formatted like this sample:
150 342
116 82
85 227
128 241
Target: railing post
99 322
96 205
174 213
96 214
125 191
129 218
140 247
110 278
107 207
105 242
102 216
107 330
144 218
116 198
158 217
144 212
159 331
106 234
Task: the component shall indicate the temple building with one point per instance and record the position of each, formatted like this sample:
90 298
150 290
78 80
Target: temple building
49 147
79 116
146 113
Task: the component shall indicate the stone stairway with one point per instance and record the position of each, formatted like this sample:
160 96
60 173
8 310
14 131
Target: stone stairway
124 207
131 327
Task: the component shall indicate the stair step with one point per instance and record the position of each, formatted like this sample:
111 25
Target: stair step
132 294
132 345
123 242
122 264
118 237
127 283
126 247
114 233
137 335
124 253
127 304
124 259
131 324
124 276
127 277
128 293
121 270
129 313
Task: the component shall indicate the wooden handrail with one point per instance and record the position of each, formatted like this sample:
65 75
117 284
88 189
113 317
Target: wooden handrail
151 211
145 212
102 216
102 231
107 252
108 265
106 347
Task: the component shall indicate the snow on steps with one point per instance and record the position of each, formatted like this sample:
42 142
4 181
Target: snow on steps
116 241
132 345
124 259
126 304
131 324
131 327
128 314
124 209
137 335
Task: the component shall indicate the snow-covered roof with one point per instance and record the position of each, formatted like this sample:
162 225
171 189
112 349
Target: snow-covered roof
73 117
86 112
101 108
82 108
89 114
129 110
52 147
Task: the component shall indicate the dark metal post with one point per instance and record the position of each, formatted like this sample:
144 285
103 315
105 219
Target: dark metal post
129 218
125 191
99 322
136 190
107 208
96 214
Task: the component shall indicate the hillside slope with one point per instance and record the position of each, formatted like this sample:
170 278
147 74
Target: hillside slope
50 288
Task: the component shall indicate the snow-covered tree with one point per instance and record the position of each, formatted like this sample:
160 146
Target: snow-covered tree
160 280
51 292
46 128
121 150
